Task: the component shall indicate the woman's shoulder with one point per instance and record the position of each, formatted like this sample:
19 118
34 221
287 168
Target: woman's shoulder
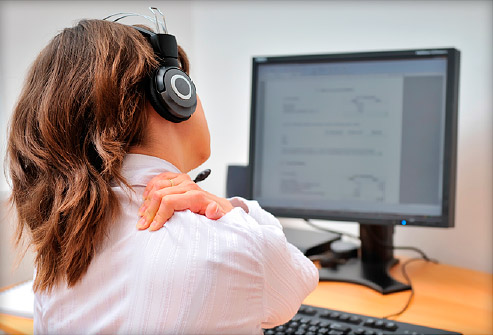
235 223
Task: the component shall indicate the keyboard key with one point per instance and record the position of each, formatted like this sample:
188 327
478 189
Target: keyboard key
310 311
390 326
303 326
319 321
342 328
354 319
334 315
313 329
359 331
379 324
294 325
307 311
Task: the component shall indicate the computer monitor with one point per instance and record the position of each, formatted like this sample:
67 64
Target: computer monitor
366 137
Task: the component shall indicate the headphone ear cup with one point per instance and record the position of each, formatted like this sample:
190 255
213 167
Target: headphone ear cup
157 102
172 94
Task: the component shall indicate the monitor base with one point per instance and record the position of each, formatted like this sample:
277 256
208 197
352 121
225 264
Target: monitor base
373 275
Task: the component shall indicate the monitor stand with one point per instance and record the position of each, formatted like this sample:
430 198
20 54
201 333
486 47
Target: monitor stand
372 267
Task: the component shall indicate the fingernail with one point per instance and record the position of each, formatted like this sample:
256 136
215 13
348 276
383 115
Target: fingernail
141 222
145 194
154 225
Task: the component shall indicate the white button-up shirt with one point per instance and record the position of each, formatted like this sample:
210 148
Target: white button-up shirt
235 275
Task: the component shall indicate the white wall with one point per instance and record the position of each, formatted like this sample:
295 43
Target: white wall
227 34
221 37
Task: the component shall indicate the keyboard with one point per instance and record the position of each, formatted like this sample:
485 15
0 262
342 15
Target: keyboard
312 320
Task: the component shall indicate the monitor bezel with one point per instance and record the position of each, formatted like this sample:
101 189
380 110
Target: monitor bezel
447 217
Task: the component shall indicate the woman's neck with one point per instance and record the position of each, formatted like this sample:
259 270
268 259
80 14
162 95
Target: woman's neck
163 151
185 145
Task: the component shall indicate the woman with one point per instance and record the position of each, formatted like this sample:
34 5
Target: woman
83 144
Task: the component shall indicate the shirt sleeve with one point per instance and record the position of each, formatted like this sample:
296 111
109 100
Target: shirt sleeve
288 275
256 212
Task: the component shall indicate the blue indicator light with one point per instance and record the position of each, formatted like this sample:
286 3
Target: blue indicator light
403 222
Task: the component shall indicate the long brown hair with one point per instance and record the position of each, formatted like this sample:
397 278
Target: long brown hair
81 108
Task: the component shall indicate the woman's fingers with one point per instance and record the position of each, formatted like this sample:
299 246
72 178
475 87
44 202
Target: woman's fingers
170 192
165 179
213 211
154 201
196 201
151 183
162 188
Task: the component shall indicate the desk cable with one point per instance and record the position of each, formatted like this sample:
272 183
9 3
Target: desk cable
403 267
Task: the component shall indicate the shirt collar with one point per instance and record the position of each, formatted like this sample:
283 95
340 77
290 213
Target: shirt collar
139 169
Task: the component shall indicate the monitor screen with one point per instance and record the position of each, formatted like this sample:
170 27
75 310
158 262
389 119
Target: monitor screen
365 137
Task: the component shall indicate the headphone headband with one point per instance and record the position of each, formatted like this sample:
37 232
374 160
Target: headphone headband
164 46
160 24
170 90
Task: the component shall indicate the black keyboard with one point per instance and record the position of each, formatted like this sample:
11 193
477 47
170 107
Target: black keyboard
312 320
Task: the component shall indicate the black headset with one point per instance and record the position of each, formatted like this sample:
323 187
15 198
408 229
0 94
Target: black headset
170 90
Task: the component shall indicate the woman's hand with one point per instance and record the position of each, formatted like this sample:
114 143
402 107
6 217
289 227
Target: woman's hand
169 192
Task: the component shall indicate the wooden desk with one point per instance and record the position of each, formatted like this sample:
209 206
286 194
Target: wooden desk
12 324
446 297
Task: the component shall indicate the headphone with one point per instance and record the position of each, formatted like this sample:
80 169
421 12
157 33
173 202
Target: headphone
170 90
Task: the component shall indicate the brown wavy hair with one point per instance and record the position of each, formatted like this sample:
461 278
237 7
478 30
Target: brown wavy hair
81 108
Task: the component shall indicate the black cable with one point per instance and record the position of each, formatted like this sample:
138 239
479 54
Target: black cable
408 282
383 244
340 233
403 268
419 251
